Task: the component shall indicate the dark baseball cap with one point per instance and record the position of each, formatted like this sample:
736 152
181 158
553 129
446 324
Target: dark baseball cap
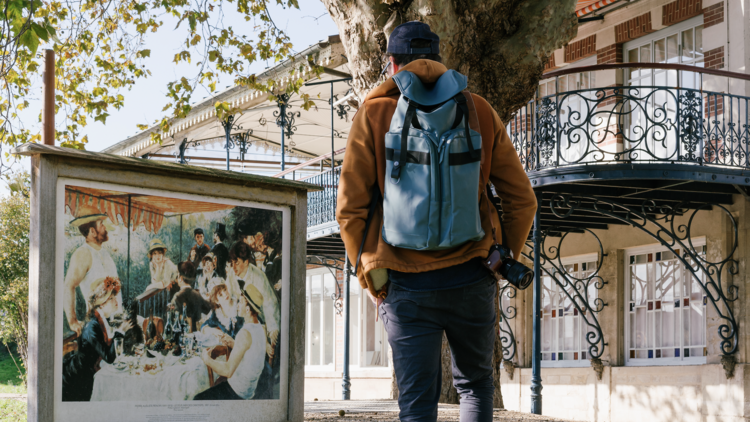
400 40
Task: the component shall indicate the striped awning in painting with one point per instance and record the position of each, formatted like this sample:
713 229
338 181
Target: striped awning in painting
144 209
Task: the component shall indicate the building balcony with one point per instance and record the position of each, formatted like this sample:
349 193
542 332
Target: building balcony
635 131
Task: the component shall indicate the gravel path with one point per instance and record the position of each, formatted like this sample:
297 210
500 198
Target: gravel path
387 410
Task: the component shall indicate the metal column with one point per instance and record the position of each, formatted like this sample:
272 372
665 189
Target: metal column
346 384
332 110
282 124
128 228
332 131
228 124
536 354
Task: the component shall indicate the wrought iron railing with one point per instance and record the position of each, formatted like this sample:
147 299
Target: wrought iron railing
634 124
321 205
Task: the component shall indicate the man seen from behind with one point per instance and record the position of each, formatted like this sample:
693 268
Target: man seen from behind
430 283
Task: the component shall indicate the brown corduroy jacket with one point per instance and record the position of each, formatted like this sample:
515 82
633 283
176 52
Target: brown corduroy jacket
364 167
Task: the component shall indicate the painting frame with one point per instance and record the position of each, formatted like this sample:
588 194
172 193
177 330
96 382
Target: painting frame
49 163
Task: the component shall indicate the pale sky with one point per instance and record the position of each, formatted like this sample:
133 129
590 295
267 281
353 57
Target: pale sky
143 104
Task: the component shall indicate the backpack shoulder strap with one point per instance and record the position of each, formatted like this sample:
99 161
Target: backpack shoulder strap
473 118
493 204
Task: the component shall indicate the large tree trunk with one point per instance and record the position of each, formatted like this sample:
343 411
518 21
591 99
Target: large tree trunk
501 45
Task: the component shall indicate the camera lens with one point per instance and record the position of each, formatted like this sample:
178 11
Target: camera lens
526 279
517 274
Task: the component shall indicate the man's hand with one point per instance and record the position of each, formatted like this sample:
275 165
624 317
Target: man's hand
227 341
270 350
125 326
274 337
372 298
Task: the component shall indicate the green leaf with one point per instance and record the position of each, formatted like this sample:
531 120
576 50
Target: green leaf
40 31
30 40
144 53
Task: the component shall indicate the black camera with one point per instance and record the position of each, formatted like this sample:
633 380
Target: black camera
501 263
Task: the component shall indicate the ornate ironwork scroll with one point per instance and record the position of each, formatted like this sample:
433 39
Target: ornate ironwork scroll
285 119
660 222
632 124
331 264
235 140
507 338
580 291
342 110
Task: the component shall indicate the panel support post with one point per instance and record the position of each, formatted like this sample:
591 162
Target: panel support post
536 375
48 114
346 384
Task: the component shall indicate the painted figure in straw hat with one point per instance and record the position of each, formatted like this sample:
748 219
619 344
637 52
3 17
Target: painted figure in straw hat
90 262
246 361
95 343
163 270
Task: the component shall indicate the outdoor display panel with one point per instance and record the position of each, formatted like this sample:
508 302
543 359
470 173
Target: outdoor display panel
167 304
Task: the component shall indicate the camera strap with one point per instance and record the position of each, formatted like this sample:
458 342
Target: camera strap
494 202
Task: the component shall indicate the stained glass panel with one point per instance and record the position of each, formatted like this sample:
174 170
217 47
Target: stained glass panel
666 315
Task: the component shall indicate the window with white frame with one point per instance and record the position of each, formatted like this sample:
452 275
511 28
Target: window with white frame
319 328
665 314
677 44
563 327
368 344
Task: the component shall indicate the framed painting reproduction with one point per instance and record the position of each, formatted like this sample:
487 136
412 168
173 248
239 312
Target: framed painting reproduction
167 298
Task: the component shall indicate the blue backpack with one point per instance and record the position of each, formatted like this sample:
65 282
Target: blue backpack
432 166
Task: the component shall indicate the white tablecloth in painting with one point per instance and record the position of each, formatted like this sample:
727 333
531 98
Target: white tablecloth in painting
176 382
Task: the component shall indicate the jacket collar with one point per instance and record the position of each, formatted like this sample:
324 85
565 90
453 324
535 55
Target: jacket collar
428 72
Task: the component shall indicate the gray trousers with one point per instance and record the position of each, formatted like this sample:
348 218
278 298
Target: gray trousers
415 322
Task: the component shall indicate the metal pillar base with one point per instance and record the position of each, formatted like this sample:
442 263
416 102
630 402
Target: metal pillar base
536 349
346 384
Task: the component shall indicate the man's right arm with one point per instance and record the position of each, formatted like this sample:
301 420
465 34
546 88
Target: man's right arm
80 263
513 187
358 177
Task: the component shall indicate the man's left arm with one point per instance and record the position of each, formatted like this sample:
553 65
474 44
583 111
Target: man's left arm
513 187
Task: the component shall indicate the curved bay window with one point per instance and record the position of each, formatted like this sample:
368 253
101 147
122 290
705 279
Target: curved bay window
563 330
665 321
